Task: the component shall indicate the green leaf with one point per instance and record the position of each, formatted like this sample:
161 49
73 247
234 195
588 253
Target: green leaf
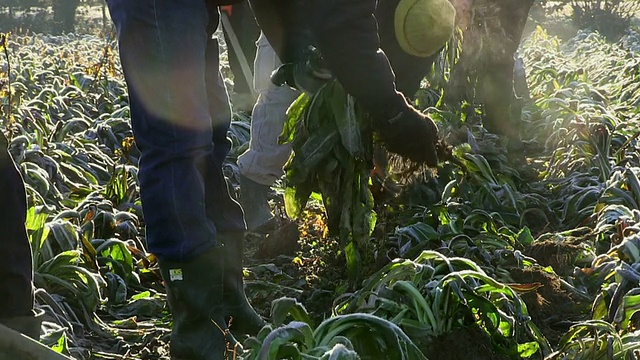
630 306
117 251
285 306
294 116
312 153
343 109
146 307
371 336
295 332
38 233
528 349
418 232
36 218
340 352
293 203
524 236
353 260
65 234
142 295
61 346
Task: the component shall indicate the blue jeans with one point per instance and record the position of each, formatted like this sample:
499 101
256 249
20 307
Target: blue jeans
180 115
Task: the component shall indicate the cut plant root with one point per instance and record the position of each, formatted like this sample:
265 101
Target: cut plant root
406 171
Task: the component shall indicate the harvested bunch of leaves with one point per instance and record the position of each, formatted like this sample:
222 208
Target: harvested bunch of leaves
332 154
332 140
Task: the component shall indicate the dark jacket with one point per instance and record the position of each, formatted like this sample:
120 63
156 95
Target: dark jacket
346 33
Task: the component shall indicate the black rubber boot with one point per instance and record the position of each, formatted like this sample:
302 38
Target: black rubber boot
195 292
254 198
28 325
244 318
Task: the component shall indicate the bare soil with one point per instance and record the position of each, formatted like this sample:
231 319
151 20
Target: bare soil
283 240
561 256
463 344
550 306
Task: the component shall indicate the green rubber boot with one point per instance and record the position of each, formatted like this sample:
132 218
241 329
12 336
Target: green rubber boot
195 293
244 318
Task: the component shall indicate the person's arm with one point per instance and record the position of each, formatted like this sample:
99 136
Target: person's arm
282 22
409 69
346 33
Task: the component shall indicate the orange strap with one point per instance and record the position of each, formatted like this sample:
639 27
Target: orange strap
227 8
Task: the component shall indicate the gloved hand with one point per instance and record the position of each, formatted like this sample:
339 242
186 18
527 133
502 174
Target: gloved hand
410 134
308 76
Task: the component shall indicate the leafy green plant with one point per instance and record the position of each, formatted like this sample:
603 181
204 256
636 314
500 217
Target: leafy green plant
433 294
596 339
332 155
64 274
73 145
352 336
611 18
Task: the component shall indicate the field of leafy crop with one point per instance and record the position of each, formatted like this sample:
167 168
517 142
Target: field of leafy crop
495 258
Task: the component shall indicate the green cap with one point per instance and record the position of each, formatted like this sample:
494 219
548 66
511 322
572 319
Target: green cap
424 26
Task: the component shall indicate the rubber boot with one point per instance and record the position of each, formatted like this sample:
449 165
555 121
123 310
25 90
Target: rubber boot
20 339
244 318
195 292
254 198
28 325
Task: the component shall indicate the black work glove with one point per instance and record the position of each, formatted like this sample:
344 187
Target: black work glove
308 76
410 134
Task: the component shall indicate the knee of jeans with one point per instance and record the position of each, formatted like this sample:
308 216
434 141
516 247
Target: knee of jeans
195 145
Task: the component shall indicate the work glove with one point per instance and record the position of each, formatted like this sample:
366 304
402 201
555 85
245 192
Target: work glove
307 76
410 134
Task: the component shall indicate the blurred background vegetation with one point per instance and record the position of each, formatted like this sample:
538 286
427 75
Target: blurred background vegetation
609 17
52 16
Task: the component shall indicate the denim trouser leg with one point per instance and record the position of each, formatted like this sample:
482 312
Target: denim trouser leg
179 116
225 212
16 273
